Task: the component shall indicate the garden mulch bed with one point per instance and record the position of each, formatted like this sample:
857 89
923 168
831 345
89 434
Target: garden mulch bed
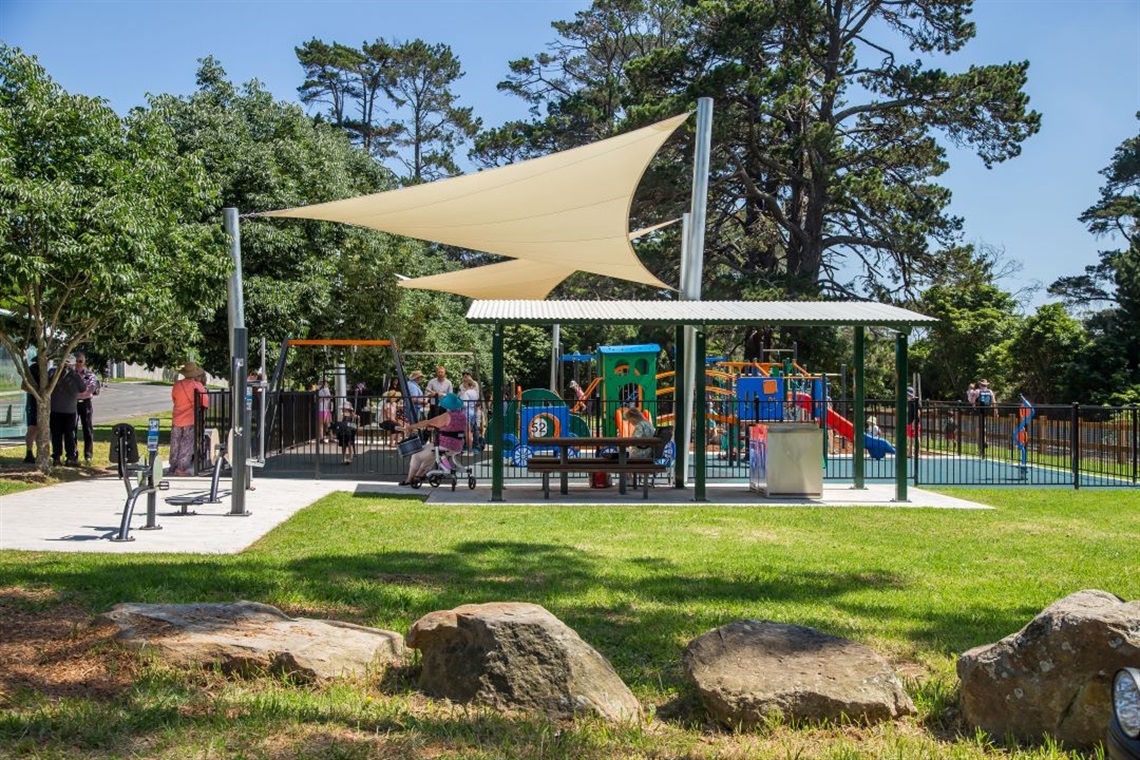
58 650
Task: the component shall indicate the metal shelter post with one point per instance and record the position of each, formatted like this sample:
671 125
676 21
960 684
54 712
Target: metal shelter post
238 359
555 356
680 421
499 409
860 410
700 422
902 450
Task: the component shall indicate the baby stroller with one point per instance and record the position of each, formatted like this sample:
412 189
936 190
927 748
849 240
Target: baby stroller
447 468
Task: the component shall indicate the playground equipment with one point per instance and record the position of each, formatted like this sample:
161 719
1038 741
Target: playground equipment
1020 436
627 377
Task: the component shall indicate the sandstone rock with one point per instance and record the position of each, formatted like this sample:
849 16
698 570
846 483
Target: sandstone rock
1054 676
251 637
517 656
751 669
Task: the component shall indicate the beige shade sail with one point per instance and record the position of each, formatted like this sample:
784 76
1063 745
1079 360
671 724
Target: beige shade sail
525 279
517 279
567 210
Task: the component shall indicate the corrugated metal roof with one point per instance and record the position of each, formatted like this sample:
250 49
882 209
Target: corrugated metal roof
818 313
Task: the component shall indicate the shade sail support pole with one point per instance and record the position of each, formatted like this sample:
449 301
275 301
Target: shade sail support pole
238 371
693 261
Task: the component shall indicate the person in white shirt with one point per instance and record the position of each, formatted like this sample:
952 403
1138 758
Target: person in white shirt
439 386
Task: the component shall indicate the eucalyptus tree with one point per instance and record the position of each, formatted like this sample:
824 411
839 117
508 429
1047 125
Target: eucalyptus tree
101 233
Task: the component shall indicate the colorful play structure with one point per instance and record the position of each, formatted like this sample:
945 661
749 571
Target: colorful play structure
626 376
1020 436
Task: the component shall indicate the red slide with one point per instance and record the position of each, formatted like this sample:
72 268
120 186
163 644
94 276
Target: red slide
876 447
835 421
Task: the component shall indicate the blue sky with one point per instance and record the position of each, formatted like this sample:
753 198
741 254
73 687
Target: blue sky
1084 78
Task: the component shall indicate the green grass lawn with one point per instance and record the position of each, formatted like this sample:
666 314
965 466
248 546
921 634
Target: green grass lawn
17 476
637 582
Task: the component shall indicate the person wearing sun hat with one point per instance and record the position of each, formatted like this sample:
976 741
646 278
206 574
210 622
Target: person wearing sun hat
453 428
415 392
188 394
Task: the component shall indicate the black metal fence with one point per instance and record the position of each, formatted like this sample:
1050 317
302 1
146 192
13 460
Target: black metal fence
953 444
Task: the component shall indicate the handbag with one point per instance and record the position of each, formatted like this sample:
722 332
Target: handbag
410 445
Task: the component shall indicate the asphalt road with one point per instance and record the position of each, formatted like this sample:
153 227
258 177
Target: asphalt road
121 401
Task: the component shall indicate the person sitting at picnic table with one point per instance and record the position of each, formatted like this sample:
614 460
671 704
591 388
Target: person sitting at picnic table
452 426
642 428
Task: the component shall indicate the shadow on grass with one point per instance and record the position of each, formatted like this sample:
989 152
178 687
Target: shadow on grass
641 621
149 721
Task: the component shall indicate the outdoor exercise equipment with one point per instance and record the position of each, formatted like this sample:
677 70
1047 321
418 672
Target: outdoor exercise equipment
220 459
138 478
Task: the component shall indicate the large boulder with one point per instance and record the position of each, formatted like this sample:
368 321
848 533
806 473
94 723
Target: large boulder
248 637
513 655
1054 676
752 669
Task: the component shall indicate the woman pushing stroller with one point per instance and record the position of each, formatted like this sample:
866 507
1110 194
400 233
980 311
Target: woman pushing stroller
453 429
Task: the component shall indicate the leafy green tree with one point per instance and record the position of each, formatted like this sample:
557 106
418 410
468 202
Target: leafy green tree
1047 355
101 234
302 278
971 340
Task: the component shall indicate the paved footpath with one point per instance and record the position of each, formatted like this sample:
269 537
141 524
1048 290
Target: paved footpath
81 516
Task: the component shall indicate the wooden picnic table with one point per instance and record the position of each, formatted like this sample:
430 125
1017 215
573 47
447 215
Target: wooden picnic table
564 464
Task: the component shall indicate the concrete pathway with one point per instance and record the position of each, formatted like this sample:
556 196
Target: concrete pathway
83 516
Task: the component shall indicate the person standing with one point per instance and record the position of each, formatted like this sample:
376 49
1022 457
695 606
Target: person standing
64 403
913 422
185 393
345 430
416 393
987 399
469 395
390 411
31 411
438 387
324 409
83 405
